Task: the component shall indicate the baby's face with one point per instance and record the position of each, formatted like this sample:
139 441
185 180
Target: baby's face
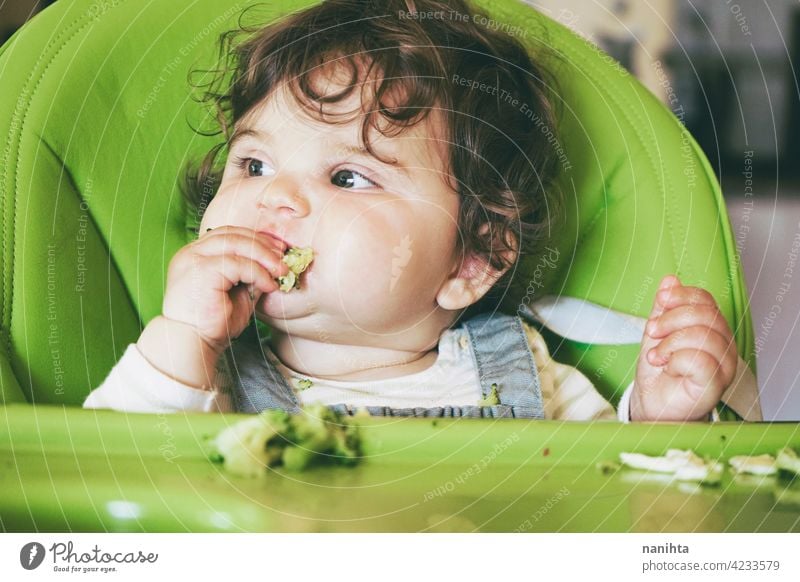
384 236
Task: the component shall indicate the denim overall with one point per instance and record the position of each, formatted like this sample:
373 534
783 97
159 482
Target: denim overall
499 349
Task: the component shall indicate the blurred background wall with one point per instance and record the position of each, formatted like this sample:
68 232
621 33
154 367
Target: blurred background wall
725 68
14 13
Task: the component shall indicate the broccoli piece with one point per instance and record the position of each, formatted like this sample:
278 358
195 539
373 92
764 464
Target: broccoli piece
317 434
298 261
243 447
297 458
287 282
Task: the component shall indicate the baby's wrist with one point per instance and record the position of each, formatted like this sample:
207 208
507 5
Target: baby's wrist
638 411
635 412
189 332
177 350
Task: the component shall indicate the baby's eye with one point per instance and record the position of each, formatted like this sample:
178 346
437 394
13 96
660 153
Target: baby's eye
351 179
254 167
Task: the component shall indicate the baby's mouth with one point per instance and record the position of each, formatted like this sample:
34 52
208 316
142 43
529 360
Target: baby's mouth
282 243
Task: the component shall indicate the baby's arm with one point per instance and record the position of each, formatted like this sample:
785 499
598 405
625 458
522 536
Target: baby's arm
688 357
134 385
169 369
176 350
213 285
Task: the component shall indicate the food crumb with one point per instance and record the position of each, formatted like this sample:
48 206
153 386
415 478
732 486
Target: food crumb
492 399
754 465
608 467
683 465
304 384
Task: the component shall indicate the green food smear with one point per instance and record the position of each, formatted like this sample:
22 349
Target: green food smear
298 261
317 435
492 399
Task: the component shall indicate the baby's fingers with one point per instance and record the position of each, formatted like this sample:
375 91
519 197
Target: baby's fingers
721 347
678 295
253 247
702 375
667 282
234 269
686 316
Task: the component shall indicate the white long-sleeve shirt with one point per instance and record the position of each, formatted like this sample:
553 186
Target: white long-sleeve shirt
134 385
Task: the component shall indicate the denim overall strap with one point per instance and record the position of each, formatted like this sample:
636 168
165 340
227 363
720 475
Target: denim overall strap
503 357
257 384
499 349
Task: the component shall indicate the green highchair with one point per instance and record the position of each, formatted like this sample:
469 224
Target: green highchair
99 122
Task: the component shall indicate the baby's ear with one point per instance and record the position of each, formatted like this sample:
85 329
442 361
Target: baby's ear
472 278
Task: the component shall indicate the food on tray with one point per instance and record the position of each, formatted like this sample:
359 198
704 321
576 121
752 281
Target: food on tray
275 437
749 470
249 446
682 465
787 460
754 465
298 261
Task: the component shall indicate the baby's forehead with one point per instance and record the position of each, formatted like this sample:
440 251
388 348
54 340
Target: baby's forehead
338 128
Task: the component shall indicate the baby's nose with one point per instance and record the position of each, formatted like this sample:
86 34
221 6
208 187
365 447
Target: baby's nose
283 196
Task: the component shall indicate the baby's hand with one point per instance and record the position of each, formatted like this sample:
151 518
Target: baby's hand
208 281
688 356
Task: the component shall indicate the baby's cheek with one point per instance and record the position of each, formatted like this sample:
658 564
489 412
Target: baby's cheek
384 261
363 261
370 247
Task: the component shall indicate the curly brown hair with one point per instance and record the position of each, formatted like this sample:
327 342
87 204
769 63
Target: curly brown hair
433 54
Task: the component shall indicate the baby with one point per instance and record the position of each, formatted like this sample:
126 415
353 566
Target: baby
373 134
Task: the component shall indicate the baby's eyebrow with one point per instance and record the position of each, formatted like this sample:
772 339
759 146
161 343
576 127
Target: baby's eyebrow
242 132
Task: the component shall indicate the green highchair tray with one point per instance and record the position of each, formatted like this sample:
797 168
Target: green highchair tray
81 470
